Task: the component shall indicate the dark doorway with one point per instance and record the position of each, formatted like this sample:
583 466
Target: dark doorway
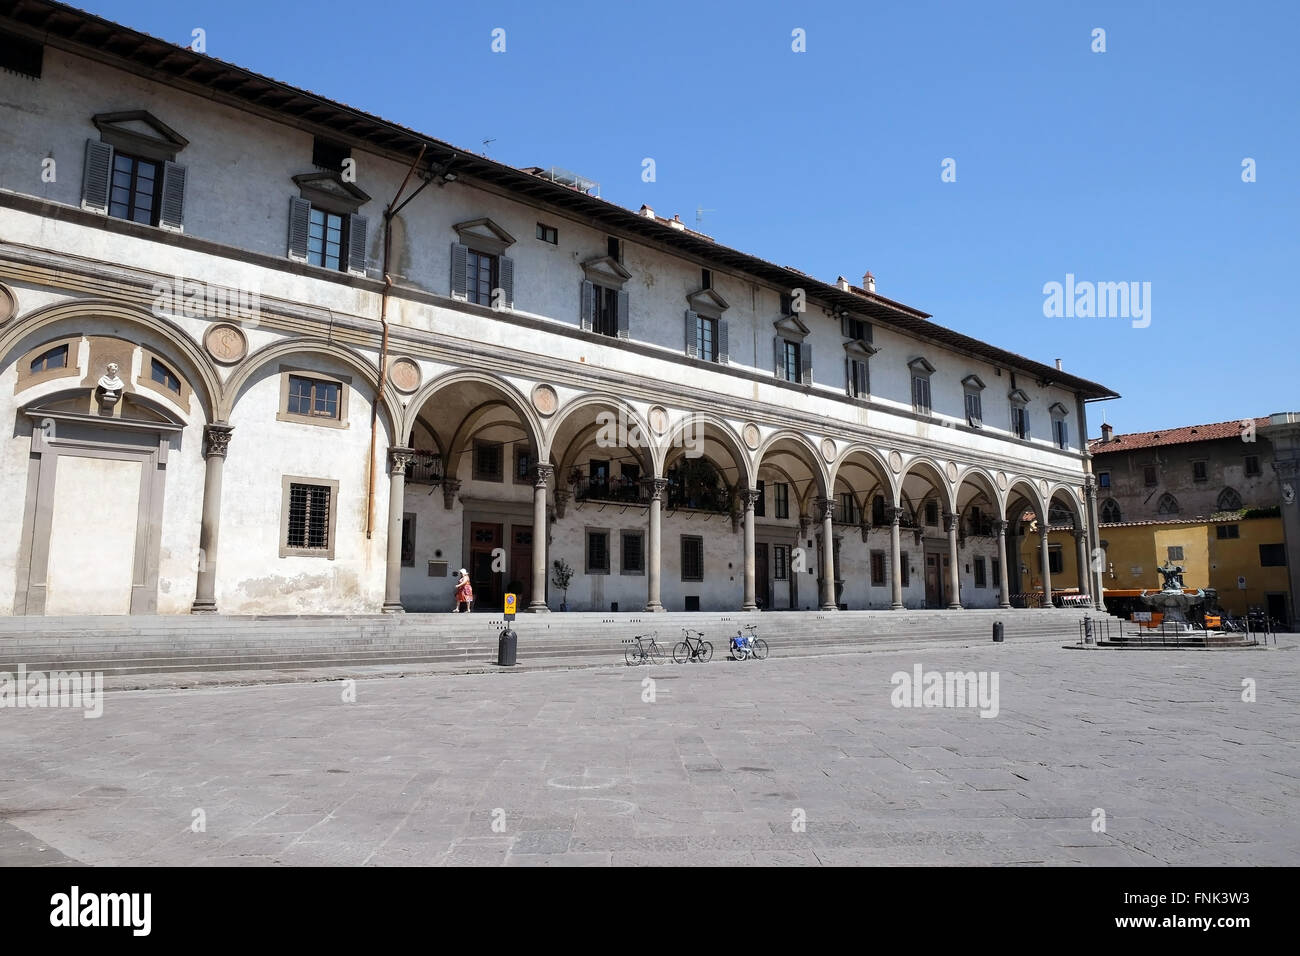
521 563
1276 604
762 585
933 580
485 544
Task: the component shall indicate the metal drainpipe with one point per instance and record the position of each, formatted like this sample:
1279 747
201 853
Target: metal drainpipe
389 212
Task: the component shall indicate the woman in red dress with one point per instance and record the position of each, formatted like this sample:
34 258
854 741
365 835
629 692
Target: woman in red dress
464 592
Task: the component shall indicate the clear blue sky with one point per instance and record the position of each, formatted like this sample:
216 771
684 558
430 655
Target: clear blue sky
1115 166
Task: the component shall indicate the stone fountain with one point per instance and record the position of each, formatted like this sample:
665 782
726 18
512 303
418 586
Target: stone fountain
1170 600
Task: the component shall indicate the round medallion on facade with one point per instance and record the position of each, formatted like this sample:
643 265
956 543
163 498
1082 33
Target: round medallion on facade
895 461
658 419
828 449
545 400
405 375
1042 485
1002 481
752 436
952 472
226 343
8 304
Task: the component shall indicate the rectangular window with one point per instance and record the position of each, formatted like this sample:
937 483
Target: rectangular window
327 154
1149 475
525 474
633 553
1103 479
480 276
1272 556
760 503
1252 466
859 386
1200 471
921 394
408 540
1061 432
604 321
905 568
308 520
165 377
781 493
974 408
313 398
706 278
1226 532
787 304
855 329
1020 421
614 248
995 570
548 234
1175 552
631 473
1055 561
487 460
980 580
848 508
877 569
134 192
878 510
598 552
692 558
326 240
706 338
781 562
791 370
932 513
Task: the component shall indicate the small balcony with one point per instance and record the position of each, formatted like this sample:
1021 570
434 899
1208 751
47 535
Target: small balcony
618 490
425 468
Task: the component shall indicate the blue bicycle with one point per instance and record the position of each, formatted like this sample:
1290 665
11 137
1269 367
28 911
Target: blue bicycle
745 646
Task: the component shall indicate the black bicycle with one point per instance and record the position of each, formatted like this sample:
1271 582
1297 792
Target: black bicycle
688 650
638 653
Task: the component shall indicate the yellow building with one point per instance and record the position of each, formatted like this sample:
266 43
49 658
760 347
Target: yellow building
1243 558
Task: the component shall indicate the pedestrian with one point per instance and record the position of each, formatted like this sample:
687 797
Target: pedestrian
464 592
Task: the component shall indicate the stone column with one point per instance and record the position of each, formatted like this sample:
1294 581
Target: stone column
749 498
1098 580
398 458
1081 555
827 506
655 489
951 523
895 516
216 438
1047 564
538 604
1004 580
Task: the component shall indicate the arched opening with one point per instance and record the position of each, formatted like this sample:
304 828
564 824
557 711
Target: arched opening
864 499
979 557
1228 500
787 573
928 510
1023 510
1167 505
1110 512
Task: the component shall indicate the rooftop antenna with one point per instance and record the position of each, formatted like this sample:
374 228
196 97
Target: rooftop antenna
487 143
699 214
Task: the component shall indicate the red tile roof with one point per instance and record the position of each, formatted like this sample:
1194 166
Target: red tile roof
1171 436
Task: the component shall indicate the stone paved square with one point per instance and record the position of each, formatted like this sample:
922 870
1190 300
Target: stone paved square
575 767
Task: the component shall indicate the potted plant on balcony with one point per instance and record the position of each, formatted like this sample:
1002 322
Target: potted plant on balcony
561 576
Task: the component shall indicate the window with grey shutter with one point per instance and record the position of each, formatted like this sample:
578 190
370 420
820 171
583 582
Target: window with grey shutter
691 349
724 351
587 307
506 278
805 362
778 356
624 328
172 213
94 182
459 255
358 228
299 215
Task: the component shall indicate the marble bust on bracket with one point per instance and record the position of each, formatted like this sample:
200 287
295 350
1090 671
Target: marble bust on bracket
109 388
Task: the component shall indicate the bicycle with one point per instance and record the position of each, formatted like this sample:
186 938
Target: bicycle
743 648
684 650
639 653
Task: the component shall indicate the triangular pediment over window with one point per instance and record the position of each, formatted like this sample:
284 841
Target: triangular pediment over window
484 235
791 327
920 366
605 271
860 349
1018 397
973 381
140 133
329 191
708 303
1059 410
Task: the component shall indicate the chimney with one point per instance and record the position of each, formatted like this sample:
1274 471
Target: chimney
647 211
1107 433
1058 366
678 224
842 283
869 282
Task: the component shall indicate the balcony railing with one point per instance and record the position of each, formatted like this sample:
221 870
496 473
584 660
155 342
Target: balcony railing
621 490
703 498
425 468
980 528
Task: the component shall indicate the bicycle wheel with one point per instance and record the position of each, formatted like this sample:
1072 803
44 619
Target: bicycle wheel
681 652
656 653
632 655
706 652
760 649
739 653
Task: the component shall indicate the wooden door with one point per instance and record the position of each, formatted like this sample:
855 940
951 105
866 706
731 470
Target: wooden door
933 580
485 544
521 563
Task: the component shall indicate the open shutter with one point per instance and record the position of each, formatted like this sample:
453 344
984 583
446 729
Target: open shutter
172 212
459 257
778 356
587 306
358 228
691 349
506 275
724 351
805 362
624 330
848 376
299 215
844 327
94 180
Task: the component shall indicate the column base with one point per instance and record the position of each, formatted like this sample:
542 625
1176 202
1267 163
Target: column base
538 607
655 608
749 607
956 607
829 607
204 607
394 608
898 607
1004 607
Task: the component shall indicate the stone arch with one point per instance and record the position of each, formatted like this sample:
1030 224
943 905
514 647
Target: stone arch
1025 489
487 389
863 457
983 483
1068 496
923 469
788 449
187 353
712 430
565 436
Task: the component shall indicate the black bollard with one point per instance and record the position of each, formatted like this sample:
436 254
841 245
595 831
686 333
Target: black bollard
997 632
